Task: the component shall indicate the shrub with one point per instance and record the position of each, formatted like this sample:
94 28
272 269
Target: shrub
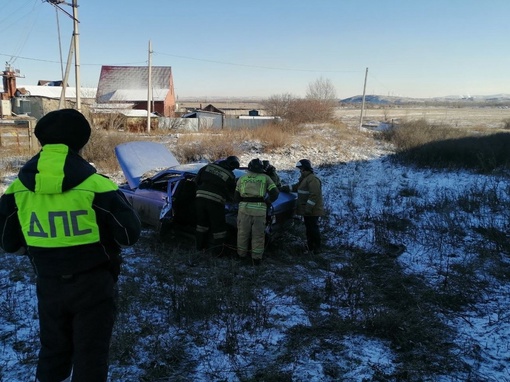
278 105
482 153
271 136
311 110
100 149
416 133
215 144
207 145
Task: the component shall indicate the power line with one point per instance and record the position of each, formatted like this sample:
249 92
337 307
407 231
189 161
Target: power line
58 62
26 31
196 59
14 11
258 66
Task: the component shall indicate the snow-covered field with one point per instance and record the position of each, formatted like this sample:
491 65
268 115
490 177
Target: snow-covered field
361 187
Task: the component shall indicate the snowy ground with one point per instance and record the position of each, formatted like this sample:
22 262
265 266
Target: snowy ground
361 186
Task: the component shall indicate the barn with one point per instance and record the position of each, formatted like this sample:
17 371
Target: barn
129 85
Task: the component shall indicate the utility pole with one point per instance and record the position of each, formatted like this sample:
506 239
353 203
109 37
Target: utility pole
149 89
76 41
75 44
363 101
65 80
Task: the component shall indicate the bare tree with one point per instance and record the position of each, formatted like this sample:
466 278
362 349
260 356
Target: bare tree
321 89
278 105
320 102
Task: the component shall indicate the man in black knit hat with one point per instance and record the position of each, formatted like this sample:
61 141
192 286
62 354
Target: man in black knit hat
72 223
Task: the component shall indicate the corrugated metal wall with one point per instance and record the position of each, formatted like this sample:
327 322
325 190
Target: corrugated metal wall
196 124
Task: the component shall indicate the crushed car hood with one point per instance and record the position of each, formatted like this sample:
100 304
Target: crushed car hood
137 158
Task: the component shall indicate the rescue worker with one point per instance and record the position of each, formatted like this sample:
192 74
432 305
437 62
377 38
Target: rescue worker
253 191
216 184
71 222
270 170
309 202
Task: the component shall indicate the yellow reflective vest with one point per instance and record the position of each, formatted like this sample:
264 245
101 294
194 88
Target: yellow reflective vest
251 190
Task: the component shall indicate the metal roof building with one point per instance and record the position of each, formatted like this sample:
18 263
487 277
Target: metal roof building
129 84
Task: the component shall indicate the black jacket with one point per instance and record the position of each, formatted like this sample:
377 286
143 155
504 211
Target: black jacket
216 182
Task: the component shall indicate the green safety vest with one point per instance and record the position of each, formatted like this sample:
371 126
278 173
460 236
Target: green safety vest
253 186
50 218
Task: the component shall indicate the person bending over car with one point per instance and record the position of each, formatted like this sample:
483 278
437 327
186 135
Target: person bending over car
251 191
216 184
71 222
270 170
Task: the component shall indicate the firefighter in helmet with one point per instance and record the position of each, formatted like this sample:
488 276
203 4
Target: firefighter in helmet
253 191
216 184
309 203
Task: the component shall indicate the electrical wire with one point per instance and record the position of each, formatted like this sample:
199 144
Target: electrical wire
59 44
28 30
57 62
257 66
12 12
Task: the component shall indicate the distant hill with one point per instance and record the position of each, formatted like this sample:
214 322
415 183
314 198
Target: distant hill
395 100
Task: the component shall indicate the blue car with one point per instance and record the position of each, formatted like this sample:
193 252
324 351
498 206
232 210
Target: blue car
162 190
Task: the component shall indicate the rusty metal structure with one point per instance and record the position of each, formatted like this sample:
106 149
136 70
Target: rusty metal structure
9 76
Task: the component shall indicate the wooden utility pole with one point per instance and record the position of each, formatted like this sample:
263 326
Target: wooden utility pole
149 89
363 101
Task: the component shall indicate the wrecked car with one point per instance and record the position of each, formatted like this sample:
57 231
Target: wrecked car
162 190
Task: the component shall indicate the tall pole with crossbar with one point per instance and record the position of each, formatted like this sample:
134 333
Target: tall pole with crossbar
75 45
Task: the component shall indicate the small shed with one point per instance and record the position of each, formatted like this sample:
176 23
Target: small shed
213 109
206 119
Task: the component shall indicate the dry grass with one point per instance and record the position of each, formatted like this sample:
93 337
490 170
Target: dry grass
417 133
100 149
273 136
213 144
206 145
170 301
441 145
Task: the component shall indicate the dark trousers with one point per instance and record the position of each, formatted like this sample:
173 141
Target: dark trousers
211 224
313 234
76 317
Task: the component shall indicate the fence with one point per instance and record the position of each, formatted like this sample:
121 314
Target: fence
196 124
18 134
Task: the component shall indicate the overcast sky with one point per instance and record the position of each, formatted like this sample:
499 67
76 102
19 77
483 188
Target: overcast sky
259 48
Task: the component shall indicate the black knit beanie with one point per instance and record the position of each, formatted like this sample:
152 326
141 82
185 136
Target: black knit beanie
66 126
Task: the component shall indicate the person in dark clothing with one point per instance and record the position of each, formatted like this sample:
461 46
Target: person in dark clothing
270 170
309 203
71 222
216 184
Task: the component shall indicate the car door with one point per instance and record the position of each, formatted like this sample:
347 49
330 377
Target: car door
148 203
167 212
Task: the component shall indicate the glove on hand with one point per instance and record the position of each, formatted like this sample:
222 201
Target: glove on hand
284 189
